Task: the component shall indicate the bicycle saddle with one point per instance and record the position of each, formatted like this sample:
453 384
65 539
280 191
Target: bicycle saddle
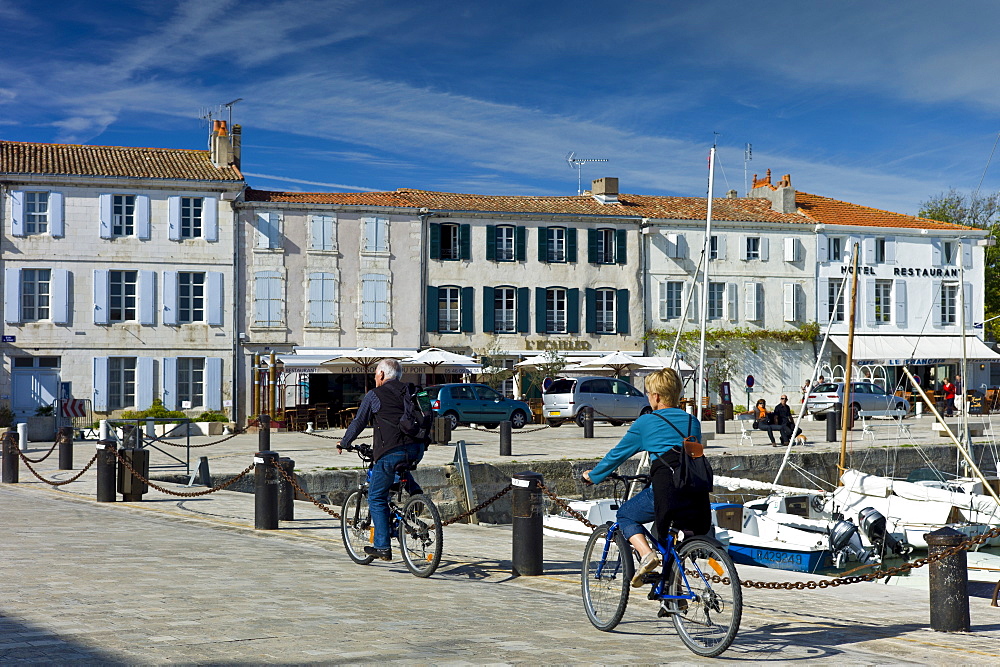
405 466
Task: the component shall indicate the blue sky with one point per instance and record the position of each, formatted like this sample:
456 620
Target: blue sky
882 104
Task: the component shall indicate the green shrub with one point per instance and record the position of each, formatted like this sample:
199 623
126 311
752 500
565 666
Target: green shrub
157 411
6 417
212 416
45 411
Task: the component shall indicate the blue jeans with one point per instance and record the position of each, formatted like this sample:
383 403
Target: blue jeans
384 476
636 511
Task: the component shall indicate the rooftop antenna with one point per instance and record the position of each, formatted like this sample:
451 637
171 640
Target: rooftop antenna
229 105
747 156
577 163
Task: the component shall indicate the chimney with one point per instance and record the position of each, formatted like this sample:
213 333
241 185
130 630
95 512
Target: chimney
605 190
781 196
221 148
236 139
732 194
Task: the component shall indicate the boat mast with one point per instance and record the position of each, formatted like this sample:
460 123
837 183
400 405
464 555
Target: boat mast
845 416
704 284
960 256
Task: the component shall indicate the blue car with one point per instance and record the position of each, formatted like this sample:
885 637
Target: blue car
473 404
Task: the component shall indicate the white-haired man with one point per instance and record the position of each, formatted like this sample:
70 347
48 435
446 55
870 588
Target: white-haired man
382 407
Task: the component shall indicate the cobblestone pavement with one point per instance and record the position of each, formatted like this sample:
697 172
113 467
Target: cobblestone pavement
173 580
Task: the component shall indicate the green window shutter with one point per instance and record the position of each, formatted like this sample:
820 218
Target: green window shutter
491 242
520 244
590 299
621 246
468 311
435 231
621 308
592 246
573 310
465 241
488 307
432 308
540 310
571 245
523 310
543 244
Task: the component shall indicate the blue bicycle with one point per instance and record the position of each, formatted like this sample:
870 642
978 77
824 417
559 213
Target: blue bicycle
698 586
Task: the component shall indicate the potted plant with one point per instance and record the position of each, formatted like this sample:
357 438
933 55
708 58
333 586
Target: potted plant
42 426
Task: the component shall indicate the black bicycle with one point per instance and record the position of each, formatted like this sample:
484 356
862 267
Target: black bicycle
416 523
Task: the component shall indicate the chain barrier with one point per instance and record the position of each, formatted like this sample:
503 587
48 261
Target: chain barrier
563 504
47 454
483 505
496 430
334 437
167 491
236 432
27 463
294 482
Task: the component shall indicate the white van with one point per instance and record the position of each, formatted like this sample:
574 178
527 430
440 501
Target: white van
613 400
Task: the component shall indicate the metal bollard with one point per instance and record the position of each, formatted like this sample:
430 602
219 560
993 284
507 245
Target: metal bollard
11 458
832 422
22 436
949 582
65 439
505 438
588 422
129 485
720 418
264 434
107 463
442 431
204 476
265 491
527 507
286 492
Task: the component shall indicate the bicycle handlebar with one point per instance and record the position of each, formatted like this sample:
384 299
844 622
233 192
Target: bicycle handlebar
629 478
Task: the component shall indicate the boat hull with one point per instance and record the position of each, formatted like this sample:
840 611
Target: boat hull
778 559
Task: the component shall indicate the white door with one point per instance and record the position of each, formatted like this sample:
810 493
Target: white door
33 388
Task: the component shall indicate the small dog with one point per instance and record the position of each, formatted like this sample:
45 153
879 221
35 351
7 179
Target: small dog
800 439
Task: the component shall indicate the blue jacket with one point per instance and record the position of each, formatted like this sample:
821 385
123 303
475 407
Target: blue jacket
650 434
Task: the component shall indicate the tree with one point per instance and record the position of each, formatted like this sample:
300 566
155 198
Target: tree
981 211
492 373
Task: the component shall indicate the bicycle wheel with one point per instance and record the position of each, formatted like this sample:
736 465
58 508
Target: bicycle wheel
605 596
356 527
420 536
707 624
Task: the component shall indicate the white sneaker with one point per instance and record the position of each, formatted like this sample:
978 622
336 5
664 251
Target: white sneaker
649 562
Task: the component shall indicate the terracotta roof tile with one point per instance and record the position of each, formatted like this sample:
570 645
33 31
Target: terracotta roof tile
115 161
342 198
834 212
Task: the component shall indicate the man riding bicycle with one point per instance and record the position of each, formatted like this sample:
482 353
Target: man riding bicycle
383 407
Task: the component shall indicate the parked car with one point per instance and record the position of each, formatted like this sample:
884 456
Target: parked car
613 400
864 396
464 403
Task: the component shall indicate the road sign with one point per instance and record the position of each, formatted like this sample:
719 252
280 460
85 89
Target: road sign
9 339
74 407
749 381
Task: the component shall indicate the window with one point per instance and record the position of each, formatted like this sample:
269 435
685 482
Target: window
605 246
269 231
36 362
190 297
504 312
36 212
322 300
883 301
556 244
122 296
753 247
450 245
835 249
449 310
123 216
376 235
716 300
948 252
374 301
555 310
713 247
268 304
191 381
949 304
835 304
605 311
322 232
191 217
880 251
670 299
505 243
121 382
35 293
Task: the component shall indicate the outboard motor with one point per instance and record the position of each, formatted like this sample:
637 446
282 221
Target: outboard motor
874 525
845 543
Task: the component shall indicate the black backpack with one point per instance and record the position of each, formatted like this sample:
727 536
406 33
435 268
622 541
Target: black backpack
414 423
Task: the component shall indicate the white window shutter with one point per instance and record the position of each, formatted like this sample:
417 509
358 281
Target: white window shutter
168 366
936 253
142 226
382 301
316 233
899 296
823 301
61 312
868 252
850 246
663 299
967 296
890 250
967 254
720 246
17 213
12 295
743 248
790 249
315 299
869 286
101 314
104 204
370 235
170 298
100 397
210 218
213 383
788 292
147 297
937 302
145 383
671 245
822 253
57 223
750 302
763 249
266 232
214 298
732 297
692 302
174 218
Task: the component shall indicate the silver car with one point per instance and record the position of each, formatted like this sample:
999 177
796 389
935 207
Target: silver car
613 400
864 396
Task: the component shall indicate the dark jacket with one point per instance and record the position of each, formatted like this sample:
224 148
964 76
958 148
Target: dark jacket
783 415
385 422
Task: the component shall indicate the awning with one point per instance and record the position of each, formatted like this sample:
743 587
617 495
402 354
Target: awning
871 350
335 359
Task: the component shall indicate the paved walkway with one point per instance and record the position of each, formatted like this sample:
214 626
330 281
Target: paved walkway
188 580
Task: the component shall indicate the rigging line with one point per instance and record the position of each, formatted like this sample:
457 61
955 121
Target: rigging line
687 306
718 163
985 169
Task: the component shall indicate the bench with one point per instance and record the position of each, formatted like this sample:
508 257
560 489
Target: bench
867 416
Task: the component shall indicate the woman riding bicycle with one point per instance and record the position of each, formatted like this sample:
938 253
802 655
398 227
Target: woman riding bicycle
662 435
